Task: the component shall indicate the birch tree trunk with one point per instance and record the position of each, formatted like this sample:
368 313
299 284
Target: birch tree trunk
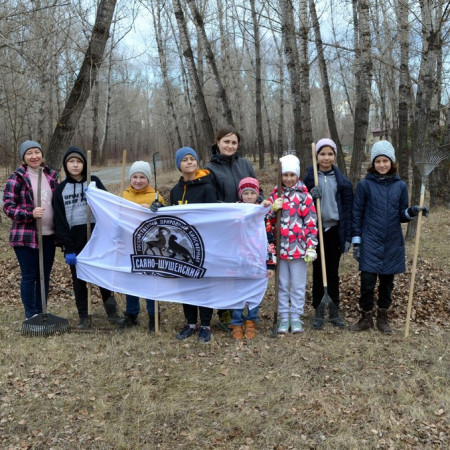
67 123
206 125
363 75
332 127
156 15
258 87
305 96
288 34
403 91
221 92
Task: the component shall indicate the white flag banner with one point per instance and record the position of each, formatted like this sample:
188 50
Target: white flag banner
203 254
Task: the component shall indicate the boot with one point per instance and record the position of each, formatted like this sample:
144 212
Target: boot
250 329
364 323
318 318
334 318
130 320
151 323
111 310
83 323
382 321
237 331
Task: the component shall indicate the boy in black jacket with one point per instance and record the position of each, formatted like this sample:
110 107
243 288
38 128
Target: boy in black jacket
194 186
70 212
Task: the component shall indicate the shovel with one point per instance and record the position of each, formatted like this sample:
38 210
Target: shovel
277 249
326 302
43 324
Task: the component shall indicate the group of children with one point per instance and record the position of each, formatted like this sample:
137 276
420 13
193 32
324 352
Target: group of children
370 222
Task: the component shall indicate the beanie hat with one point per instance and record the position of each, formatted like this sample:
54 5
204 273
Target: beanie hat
73 155
26 145
248 183
182 152
326 143
290 163
141 167
382 148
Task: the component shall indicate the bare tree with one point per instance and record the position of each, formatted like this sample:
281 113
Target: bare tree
363 76
67 123
206 125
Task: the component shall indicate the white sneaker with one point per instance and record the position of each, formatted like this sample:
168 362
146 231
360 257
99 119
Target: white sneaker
283 327
296 326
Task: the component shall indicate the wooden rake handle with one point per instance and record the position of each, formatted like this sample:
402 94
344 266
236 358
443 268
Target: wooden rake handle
319 216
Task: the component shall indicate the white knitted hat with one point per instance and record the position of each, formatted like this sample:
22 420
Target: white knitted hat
382 148
141 167
290 163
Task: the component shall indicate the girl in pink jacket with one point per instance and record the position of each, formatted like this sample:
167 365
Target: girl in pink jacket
298 241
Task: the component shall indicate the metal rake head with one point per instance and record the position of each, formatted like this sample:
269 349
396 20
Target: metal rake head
428 159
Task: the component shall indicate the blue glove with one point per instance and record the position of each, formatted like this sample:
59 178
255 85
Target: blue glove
356 251
316 192
71 259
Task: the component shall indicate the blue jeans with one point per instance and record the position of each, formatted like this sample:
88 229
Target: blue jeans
30 286
238 316
134 306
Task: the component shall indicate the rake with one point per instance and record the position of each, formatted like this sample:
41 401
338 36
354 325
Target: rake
43 324
426 162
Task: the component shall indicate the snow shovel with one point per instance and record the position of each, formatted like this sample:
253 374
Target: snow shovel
426 163
277 249
326 302
43 324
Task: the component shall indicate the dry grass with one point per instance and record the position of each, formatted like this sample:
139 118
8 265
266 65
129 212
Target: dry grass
329 389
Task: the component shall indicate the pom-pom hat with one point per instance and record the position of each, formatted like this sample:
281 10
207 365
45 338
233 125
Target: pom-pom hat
382 148
141 167
290 163
248 183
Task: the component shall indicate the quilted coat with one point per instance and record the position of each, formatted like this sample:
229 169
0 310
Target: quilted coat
379 207
298 230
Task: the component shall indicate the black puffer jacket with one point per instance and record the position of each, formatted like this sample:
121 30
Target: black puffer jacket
199 190
227 172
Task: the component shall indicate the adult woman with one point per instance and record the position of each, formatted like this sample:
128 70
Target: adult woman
227 166
20 205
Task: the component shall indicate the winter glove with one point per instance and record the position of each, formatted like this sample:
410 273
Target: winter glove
316 192
277 204
71 259
347 247
155 206
310 255
413 211
356 251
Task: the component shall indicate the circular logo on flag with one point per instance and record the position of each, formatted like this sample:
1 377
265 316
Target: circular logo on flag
169 247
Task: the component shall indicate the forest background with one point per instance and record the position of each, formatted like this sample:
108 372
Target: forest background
153 75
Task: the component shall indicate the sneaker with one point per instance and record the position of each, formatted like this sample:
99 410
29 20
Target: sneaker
283 327
186 332
204 335
83 323
296 326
